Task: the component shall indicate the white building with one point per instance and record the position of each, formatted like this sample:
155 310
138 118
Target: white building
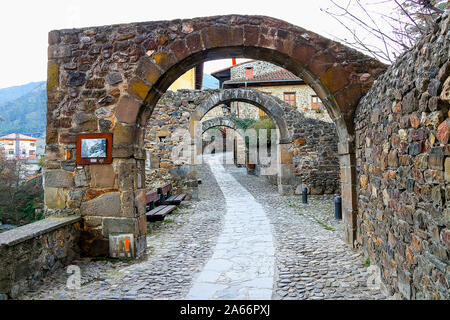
18 146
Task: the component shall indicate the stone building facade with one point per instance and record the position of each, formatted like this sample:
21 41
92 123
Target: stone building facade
277 81
403 160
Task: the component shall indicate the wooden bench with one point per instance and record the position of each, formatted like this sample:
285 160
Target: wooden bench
156 212
167 198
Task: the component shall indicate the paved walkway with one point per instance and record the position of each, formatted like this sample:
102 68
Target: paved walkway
242 240
242 266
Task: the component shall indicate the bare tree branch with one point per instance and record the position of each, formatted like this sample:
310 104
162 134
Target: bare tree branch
393 26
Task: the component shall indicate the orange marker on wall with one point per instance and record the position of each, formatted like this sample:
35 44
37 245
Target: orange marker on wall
127 244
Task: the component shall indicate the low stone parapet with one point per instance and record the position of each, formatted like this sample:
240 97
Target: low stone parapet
33 251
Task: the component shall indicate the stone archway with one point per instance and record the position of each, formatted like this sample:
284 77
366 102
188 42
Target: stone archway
270 105
237 146
218 122
108 79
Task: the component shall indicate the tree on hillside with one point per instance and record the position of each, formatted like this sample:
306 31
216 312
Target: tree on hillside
18 197
386 28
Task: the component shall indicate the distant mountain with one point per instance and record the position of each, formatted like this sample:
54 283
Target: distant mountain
26 113
12 93
209 82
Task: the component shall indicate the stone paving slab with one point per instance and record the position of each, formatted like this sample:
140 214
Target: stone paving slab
242 266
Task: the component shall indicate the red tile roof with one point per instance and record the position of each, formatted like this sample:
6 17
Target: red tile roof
21 136
279 75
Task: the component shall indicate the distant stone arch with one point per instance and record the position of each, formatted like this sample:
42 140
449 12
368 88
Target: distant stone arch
219 122
266 102
271 106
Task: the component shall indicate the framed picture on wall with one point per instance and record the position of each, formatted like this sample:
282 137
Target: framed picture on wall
94 148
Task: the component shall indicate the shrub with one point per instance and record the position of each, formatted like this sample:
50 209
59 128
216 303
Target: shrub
266 124
243 123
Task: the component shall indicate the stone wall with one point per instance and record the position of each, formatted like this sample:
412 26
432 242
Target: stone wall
259 67
172 113
314 145
315 152
402 131
34 251
315 155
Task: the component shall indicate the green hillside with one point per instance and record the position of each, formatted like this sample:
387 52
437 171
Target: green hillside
12 93
25 114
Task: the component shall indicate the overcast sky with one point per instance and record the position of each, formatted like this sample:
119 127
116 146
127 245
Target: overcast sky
25 25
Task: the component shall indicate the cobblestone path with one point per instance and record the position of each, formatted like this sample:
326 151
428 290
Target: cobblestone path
311 258
177 249
241 241
242 266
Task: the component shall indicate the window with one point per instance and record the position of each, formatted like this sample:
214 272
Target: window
31 152
289 97
316 103
11 152
32 144
10 143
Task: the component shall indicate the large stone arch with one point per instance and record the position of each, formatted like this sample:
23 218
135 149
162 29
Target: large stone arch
108 79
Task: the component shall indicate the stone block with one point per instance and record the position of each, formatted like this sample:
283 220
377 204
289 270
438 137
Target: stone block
108 205
127 110
364 180
336 78
321 64
138 89
393 159
114 78
113 226
54 198
76 79
58 179
123 135
285 156
128 204
436 158
194 42
123 151
102 176
445 237
443 132
80 178
59 51
447 169
445 94
126 175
